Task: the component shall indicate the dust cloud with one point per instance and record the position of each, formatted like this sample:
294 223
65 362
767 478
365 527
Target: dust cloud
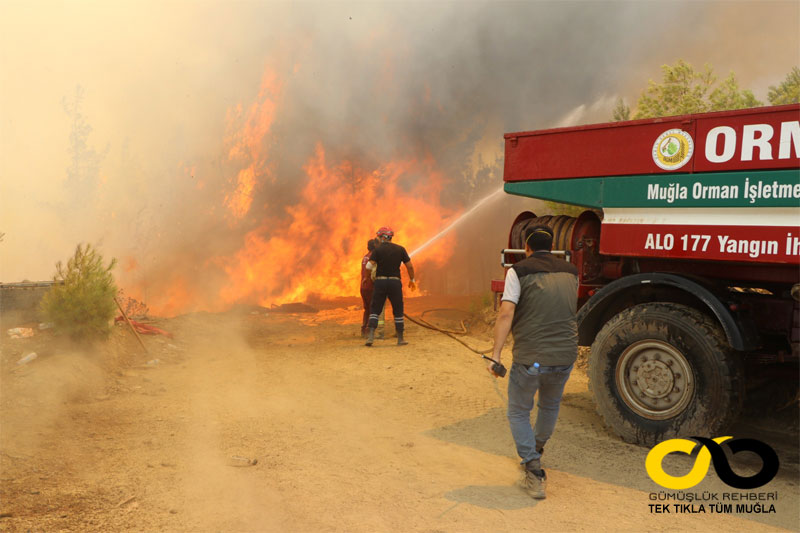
70 374
182 138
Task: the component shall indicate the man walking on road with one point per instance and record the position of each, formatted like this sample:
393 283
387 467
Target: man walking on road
538 307
385 263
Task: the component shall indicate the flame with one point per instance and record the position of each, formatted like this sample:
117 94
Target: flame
248 144
316 249
178 297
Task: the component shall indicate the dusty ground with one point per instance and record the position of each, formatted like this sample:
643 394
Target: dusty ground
346 438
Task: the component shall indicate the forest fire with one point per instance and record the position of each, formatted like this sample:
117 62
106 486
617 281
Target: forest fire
292 247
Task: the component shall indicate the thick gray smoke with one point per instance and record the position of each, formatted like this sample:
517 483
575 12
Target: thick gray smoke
138 158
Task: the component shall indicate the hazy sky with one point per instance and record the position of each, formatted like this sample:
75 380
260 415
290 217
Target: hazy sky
166 85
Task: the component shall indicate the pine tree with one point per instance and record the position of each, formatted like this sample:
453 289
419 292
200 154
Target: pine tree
81 302
621 111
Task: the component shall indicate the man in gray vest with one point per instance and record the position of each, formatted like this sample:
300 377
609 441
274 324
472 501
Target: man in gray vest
538 307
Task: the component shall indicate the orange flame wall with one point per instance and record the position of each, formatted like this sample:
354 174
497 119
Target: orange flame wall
316 249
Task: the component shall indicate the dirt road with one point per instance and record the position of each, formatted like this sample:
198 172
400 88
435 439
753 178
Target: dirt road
346 438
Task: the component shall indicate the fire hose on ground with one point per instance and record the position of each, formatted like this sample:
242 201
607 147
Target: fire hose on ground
482 353
500 369
449 333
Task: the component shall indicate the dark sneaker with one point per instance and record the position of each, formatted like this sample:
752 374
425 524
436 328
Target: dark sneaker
534 484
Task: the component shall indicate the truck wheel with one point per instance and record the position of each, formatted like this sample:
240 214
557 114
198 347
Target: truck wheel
663 370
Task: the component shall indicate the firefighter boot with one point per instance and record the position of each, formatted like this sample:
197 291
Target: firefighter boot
400 341
370 337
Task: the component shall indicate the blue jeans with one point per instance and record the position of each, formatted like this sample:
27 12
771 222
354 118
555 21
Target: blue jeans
522 386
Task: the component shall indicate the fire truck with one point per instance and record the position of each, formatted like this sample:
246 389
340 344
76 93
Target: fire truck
688 257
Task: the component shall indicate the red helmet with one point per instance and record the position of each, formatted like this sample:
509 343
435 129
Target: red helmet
385 231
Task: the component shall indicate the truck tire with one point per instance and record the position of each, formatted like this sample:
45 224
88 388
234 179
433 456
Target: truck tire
663 370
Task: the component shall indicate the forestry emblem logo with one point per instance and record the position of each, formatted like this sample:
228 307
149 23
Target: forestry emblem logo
673 149
711 451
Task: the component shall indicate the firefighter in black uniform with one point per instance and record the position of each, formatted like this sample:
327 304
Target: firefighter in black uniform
385 266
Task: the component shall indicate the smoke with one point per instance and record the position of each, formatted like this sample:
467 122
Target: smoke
195 123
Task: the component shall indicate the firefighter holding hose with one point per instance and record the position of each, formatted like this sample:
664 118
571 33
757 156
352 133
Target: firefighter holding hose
385 266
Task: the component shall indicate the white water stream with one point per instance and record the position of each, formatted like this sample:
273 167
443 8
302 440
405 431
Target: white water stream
457 221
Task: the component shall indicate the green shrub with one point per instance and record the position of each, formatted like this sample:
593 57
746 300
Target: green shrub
83 305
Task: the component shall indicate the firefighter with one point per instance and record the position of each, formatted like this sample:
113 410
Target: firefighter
366 285
385 265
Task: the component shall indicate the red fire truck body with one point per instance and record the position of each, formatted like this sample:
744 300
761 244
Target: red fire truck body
688 258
